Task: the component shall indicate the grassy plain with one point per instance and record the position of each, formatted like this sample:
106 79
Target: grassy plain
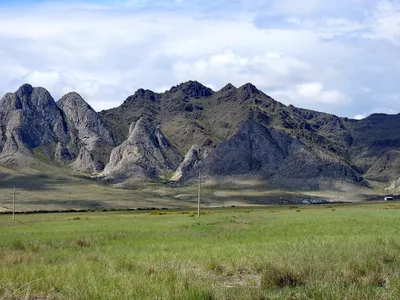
347 251
58 189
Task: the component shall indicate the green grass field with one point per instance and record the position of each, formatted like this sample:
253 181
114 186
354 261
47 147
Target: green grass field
304 252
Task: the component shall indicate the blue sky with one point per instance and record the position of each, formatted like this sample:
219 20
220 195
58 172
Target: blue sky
337 56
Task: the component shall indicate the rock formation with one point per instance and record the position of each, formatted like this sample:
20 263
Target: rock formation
96 141
146 153
245 132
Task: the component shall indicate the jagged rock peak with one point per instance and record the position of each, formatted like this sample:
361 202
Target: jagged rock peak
73 99
192 89
25 89
85 119
140 128
228 87
27 97
249 88
143 94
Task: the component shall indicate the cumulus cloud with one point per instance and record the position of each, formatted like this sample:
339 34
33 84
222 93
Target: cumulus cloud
315 92
312 94
267 70
316 54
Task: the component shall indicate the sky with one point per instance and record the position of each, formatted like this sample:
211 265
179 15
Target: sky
340 57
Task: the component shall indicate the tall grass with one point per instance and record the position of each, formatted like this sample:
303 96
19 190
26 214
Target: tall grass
350 253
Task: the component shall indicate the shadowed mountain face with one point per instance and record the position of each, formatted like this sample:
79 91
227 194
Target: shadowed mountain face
231 133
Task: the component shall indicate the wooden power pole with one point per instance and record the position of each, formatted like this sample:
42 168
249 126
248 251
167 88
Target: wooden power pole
198 198
13 197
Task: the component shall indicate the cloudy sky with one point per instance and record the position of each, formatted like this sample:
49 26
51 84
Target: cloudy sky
340 56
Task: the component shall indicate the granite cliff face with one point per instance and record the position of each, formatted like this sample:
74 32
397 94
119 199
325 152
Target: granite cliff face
231 133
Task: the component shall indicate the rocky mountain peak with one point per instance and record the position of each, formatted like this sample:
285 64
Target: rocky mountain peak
228 87
28 97
73 98
144 94
192 89
31 119
147 135
25 89
247 92
85 119
249 88
96 141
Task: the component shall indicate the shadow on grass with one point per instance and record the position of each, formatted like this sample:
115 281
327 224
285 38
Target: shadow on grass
38 182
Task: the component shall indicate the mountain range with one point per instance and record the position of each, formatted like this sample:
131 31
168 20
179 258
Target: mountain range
234 134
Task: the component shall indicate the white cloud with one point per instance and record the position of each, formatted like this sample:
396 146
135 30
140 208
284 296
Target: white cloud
315 92
312 95
266 70
295 7
359 117
385 23
376 109
307 51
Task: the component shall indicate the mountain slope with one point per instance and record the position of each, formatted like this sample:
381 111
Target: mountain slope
145 154
274 157
231 133
96 141
204 120
30 119
35 128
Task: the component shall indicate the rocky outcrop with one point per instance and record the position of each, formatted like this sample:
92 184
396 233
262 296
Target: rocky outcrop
32 124
145 154
191 89
246 132
96 141
277 158
30 119
186 167
394 186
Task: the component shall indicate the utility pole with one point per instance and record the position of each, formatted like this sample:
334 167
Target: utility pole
13 215
198 198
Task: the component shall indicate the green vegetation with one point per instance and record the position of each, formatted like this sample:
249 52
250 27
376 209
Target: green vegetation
291 252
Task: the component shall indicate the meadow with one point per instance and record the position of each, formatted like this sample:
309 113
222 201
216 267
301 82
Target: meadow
346 251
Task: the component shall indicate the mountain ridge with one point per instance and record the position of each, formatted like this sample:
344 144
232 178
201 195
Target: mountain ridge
225 133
